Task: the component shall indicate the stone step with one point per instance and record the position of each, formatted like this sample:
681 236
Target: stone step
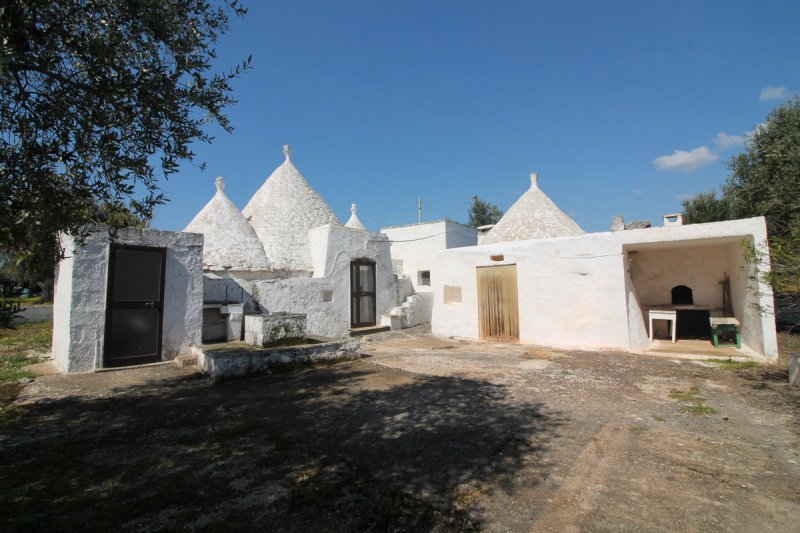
369 330
188 359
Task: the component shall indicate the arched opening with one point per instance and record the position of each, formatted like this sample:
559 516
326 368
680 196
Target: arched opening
682 295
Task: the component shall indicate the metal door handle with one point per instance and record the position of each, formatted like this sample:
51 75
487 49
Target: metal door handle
150 305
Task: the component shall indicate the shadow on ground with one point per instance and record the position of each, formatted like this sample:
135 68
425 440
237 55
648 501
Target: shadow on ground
346 448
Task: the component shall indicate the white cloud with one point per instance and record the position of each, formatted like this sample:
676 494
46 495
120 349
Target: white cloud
773 93
726 141
684 196
638 192
686 161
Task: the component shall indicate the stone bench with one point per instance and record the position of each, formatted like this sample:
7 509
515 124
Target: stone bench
725 325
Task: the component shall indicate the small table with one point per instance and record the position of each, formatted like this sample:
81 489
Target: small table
663 314
725 325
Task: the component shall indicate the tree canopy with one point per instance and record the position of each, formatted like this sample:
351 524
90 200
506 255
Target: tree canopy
764 179
483 213
706 207
100 102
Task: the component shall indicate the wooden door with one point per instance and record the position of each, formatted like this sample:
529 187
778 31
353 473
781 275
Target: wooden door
362 293
498 305
134 312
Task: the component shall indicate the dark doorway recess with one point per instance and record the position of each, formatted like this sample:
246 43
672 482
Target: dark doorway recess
362 293
135 308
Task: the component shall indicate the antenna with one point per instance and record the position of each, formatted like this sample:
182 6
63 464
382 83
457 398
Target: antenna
419 210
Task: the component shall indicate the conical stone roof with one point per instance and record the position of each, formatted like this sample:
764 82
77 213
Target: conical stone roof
533 216
282 211
229 241
354 222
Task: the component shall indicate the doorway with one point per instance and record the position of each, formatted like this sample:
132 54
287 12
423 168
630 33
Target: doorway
498 304
362 293
135 306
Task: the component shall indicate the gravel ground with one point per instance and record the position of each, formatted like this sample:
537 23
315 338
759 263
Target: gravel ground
423 434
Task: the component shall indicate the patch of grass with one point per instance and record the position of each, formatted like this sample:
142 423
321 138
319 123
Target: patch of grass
25 337
698 408
15 345
566 373
659 418
690 395
730 363
697 405
11 368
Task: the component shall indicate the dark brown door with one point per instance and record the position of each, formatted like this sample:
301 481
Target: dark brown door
362 293
135 305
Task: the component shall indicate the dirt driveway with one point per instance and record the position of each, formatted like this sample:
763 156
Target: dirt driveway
424 434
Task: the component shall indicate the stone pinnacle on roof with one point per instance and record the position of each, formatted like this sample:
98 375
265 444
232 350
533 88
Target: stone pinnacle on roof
354 222
282 212
229 241
533 216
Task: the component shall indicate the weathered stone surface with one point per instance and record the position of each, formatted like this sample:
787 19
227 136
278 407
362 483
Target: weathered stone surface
354 222
282 212
230 242
238 362
533 216
261 330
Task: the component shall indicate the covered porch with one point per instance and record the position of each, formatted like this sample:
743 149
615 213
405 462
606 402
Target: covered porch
679 287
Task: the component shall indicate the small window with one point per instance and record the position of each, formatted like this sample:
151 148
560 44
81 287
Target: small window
327 296
424 278
452 295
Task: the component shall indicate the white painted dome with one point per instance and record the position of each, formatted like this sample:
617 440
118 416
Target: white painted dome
229 241
533 216
354 222
282 211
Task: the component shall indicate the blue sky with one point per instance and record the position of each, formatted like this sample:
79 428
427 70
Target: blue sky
622 107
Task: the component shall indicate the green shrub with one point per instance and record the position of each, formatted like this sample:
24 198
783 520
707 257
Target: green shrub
8 312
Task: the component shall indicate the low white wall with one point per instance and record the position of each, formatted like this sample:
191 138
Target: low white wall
79 308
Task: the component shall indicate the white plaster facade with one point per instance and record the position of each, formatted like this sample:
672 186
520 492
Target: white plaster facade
416 246
79 306
593 290
307 250
325 296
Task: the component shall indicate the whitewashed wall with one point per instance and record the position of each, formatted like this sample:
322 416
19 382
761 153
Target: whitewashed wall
79 307
333 247
416 245
577 292
656 271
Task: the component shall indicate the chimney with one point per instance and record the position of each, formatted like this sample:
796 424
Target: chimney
674 219
617 223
